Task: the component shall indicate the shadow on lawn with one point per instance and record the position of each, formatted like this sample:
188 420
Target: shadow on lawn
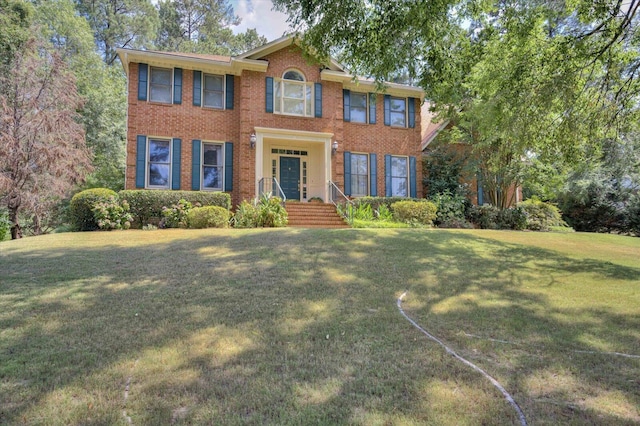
300 326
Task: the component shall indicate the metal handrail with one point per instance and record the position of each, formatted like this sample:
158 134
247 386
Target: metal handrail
343 204
275 187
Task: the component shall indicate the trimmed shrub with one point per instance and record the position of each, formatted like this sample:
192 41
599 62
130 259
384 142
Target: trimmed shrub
451 211
541 216
82 204
376 202
176 215
414 212
512 218
146 205
484 217
5 225
208 217
112 214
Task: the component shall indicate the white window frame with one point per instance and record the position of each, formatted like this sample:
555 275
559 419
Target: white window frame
366 107
220 166
151 69
148 162
367 174
407 177
279 98
224 90
391 112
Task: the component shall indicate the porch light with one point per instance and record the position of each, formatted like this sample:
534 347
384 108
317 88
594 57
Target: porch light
334 147
252 140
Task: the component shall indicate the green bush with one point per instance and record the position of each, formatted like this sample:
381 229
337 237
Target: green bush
82 204
112 214
541 216
208 217
414 212
175 216
5 225
512 218
452 209
376 202
484 217
146 205
266 211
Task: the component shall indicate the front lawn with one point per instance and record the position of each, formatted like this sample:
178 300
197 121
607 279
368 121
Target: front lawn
295 326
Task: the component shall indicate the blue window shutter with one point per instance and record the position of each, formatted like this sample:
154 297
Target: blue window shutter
269 94
143 78
317 88
373 175
347 173
175 163
177 85
346 101
387 110
480 191
141 160
372 108
197 88
229 91
413 177
228 166
387 176
412 112
195 164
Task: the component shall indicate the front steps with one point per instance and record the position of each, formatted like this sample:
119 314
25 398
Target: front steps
314 215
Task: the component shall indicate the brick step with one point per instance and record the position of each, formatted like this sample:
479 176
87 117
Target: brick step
314 215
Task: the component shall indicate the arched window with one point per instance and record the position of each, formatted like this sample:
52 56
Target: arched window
293 95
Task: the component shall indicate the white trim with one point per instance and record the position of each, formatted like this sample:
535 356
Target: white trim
354 83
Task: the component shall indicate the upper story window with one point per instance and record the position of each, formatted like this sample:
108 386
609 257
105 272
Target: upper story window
160 83
358 107
213 91
398 112
293 95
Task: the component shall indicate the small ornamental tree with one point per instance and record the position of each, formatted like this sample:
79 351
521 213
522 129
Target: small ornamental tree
42 143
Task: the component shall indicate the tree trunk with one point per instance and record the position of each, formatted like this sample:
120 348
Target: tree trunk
16 231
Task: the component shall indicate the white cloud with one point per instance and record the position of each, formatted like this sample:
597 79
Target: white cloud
258 14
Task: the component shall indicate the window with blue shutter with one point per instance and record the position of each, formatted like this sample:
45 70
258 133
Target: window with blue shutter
387 110
412 112
229 81
175 163
413 185
228 166
318 100
141 160
347 173
372 108
197 88
269 94
177 86
373 175
480 191
143 79
387 176
346 101
196 145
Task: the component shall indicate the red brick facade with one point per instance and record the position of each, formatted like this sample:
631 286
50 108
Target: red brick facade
189 122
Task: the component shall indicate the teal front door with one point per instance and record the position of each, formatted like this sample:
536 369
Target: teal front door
290 177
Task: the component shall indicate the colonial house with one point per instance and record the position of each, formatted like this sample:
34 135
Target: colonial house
272 119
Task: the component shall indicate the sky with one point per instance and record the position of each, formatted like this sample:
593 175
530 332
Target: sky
258 14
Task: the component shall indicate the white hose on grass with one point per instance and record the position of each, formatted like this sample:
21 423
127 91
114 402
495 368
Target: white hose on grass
494 382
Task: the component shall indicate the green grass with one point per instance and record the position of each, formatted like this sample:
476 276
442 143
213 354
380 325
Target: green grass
294 326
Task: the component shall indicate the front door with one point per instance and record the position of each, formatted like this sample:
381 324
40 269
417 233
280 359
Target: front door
290 177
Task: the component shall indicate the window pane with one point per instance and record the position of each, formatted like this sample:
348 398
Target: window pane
399 166
293 107
213 82
399 187
358 100
359 164
211 177
359 185
398 119
212 155
397 105
213 99
158 151
358 115
159 175
160 94
292 90
293 75
161 76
